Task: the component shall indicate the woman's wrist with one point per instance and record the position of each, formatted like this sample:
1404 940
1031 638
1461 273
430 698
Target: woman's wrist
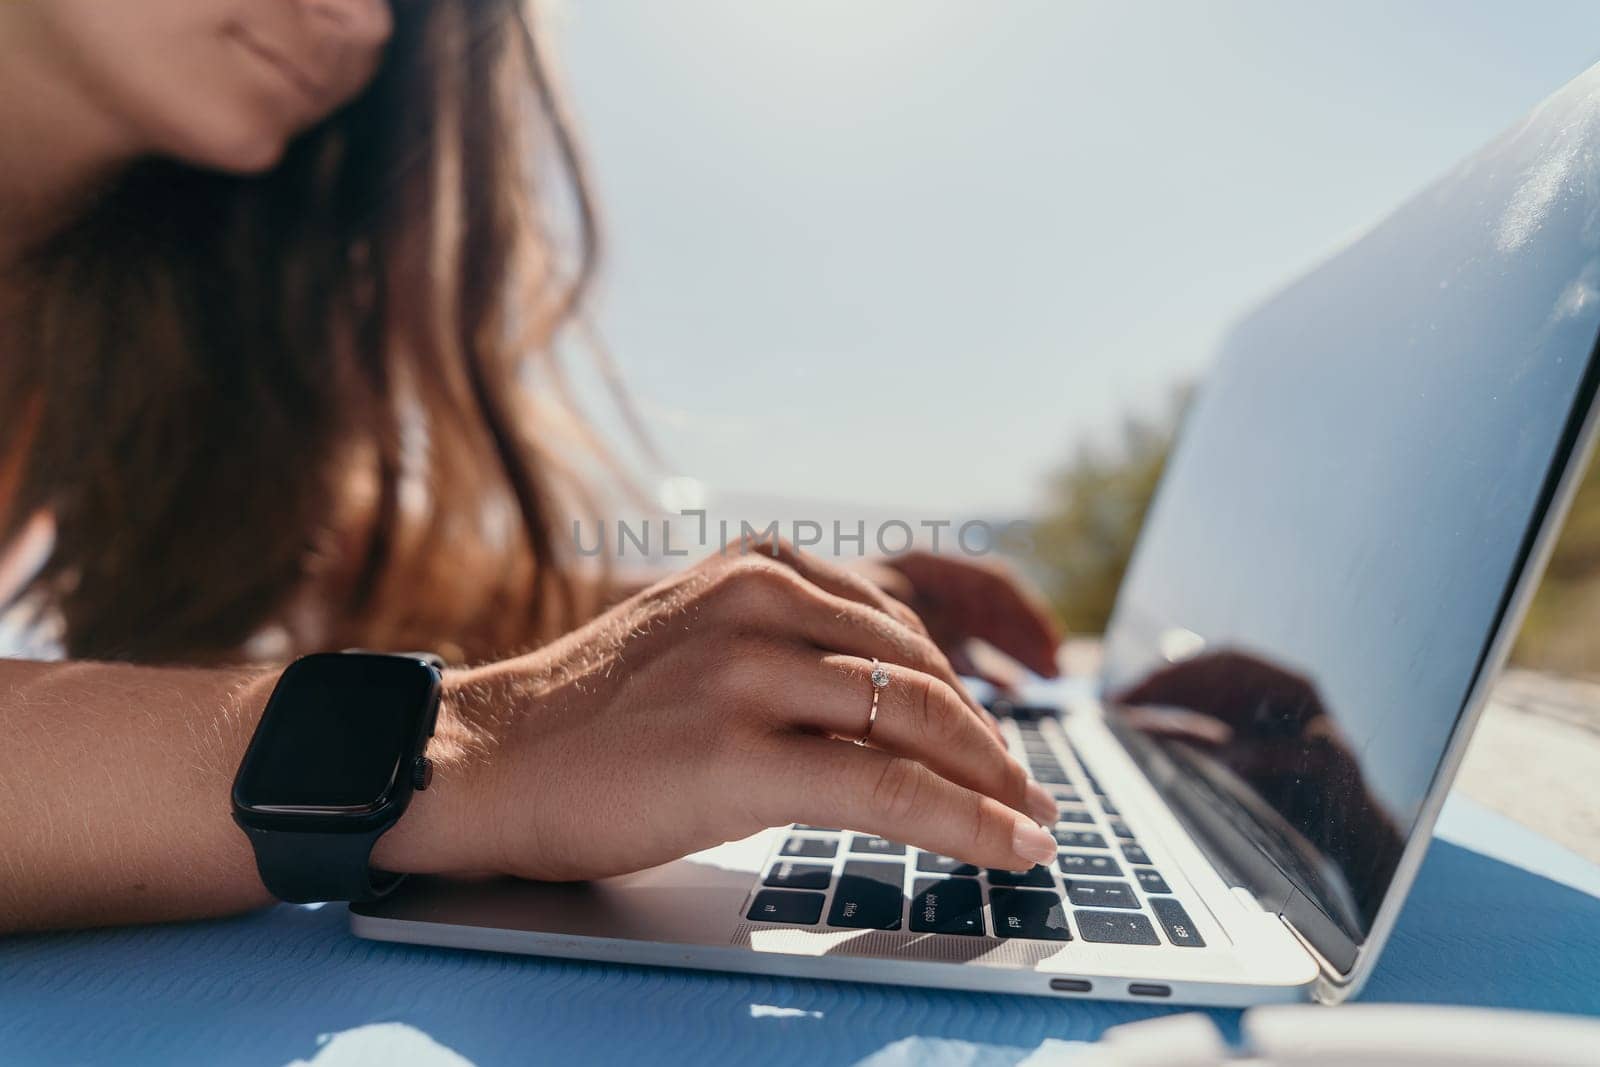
448 827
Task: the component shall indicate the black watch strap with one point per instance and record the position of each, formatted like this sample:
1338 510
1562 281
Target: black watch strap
304 868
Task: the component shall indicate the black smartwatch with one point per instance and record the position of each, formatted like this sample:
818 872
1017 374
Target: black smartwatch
332 766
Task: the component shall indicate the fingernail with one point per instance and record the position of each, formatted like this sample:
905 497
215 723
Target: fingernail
1033 843
1042 804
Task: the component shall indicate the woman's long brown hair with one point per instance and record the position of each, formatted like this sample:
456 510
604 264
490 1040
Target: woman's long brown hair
301 398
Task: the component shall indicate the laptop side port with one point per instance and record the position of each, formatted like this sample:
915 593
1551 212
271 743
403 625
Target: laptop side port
1070 985
1149 989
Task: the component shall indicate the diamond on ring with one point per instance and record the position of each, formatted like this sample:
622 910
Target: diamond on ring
879 677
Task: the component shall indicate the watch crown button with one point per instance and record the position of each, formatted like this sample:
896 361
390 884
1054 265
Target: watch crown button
421 773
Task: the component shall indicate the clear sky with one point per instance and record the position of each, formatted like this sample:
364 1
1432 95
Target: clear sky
909 253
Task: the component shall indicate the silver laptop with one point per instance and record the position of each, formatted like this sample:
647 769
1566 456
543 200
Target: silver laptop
1358 508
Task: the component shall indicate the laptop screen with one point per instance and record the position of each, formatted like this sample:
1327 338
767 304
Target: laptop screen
1350 501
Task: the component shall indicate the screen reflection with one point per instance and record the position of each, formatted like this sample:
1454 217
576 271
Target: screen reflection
1332 546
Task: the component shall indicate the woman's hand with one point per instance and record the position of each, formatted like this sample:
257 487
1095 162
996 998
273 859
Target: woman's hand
712 705
962 599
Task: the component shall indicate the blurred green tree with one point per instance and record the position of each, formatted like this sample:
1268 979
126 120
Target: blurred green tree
1562 631
1093 509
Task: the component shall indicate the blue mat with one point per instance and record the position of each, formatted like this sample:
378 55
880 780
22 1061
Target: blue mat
1484 926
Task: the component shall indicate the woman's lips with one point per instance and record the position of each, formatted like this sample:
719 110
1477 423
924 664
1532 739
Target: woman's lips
308 86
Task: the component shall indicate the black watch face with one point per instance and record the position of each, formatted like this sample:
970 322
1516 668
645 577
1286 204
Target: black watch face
337 734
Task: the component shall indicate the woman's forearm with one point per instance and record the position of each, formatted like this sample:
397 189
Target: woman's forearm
114 784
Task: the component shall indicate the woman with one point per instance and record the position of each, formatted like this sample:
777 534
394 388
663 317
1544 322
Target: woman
271 275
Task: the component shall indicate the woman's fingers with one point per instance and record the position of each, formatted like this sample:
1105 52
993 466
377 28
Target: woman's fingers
838 625
899 799
919 717
999 670
968 598
1018 624
835 580
762 596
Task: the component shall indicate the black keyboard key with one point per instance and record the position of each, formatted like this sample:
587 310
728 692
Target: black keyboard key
1028 913
869 896
1089 863
1077 815
1024 714
933 863
1079 839
1120 828
948 906
1036 876
785 906
1050 775
799 876
1102 894
1135 854
1116 928
818 829
1150 880
877 846
1034 712
816 848
884 872
1108 807
1180 930
1065 794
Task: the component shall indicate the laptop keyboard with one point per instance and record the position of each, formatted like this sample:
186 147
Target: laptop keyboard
1104 886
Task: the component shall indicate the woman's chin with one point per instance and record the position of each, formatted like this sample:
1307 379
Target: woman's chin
238 149
248 156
